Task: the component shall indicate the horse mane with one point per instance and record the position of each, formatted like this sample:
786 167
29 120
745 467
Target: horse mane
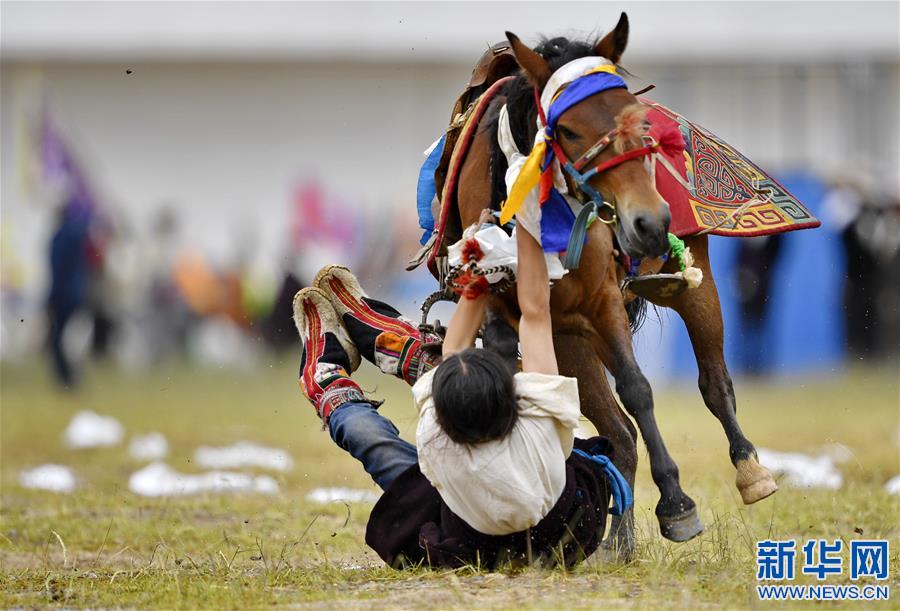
522 109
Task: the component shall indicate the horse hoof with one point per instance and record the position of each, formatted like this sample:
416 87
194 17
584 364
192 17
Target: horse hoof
682 527
754 481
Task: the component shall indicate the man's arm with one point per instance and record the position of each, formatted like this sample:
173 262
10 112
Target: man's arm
464 325
535 329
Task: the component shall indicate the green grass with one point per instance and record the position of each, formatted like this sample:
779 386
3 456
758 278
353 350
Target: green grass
104 546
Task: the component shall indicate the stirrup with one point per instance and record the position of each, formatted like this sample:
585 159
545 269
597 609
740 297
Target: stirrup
655 286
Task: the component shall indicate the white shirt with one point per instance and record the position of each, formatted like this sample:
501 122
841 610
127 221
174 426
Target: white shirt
503 486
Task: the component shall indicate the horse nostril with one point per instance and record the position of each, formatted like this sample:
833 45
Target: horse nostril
666 218
643 226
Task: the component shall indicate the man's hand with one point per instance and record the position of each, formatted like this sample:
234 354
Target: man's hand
487 217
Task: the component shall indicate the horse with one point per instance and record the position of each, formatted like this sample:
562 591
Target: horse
591 314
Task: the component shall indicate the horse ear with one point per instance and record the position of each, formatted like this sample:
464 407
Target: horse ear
613 44
535 66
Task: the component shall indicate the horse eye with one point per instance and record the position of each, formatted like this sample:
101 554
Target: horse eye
567 133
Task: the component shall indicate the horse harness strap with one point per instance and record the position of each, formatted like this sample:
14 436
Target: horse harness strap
448 196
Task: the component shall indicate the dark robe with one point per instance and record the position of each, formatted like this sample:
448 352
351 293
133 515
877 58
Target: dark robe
410 524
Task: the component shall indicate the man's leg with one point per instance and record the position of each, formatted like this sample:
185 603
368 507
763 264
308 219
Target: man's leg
373 440
354 423
393 343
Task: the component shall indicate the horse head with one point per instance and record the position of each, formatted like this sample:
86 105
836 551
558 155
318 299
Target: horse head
598 132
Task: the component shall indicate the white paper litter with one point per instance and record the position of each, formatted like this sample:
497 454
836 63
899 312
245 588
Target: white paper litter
801 470
243 454
838 452
90 430
151 446
893 485
159 479
351 495
56 478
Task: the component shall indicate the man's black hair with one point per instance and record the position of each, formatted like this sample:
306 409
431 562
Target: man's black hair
475 396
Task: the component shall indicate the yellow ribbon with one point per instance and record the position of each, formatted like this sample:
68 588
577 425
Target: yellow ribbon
528 179
603 68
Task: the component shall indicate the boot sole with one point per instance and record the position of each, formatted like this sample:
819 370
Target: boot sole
340 332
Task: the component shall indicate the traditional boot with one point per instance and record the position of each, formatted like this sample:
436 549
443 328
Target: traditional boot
387 339
328 354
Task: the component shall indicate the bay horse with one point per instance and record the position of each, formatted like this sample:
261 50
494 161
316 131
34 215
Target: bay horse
590 313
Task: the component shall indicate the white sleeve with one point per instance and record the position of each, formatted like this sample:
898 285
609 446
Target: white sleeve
421 391
545 395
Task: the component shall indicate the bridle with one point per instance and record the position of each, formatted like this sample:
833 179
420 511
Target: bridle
581 178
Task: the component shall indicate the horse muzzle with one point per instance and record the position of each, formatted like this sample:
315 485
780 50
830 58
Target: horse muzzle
642 234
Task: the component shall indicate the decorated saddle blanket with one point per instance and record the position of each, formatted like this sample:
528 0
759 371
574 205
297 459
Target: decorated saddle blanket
721 181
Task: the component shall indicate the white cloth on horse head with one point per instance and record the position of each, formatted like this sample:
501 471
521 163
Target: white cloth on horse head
566 74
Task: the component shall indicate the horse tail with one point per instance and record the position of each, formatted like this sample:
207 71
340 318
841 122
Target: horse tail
637 313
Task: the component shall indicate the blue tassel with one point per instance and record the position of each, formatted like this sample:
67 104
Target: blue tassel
426 190
622 497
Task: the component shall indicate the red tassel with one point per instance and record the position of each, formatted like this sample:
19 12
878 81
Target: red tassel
476 289
546 183
469 285
471 251
671 142
462 281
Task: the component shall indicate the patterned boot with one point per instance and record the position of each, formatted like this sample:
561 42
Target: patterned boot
328 354
385 338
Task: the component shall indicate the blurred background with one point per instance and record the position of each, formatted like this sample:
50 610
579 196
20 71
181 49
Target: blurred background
172 172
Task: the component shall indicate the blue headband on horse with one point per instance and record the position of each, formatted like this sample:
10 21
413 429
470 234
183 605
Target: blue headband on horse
579 90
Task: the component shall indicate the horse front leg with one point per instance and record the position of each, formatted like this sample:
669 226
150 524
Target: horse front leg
577 358
702 315
676 511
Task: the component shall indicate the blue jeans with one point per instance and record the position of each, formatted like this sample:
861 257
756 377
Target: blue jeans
373 440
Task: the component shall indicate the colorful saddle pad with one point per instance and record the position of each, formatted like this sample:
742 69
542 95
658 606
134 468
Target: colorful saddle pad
721 180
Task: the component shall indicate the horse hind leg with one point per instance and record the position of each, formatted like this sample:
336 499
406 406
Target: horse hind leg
577 358
702 315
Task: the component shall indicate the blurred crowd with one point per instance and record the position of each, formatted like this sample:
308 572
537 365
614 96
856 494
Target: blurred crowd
140 293
142 296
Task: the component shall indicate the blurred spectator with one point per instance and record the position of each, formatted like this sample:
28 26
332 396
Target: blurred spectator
68 284
869 226
99 297
756 260
166 317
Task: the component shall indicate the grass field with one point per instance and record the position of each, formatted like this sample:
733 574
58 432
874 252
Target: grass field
103 546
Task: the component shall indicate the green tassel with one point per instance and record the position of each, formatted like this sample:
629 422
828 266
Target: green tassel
676 249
